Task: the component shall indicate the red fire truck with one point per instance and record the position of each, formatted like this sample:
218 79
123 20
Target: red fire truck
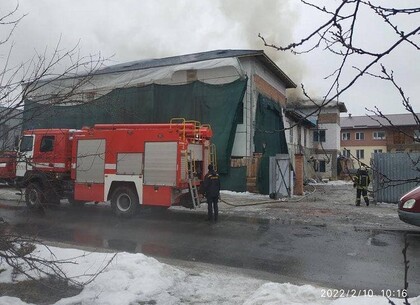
8 166
127 164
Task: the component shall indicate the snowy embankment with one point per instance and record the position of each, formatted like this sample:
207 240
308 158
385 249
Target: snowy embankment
138 279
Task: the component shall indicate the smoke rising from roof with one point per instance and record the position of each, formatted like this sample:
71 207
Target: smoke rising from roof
132 30
274 20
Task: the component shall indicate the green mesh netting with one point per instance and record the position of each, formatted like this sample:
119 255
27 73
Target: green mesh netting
235 180
269 138
216 105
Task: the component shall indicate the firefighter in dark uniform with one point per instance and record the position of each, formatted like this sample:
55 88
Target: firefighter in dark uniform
211 190
361 183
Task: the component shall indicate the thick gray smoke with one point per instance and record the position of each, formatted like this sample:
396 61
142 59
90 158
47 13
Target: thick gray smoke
130 30
274 20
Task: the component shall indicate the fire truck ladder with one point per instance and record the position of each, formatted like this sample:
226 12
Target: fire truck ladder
213 156
192 179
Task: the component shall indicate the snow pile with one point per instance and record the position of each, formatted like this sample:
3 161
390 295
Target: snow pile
138 279
282 294
287 294
332 182
8 193
244 194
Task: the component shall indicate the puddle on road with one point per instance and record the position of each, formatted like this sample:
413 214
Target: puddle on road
85 236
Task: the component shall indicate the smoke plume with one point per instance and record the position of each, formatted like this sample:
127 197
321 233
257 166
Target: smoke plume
275 21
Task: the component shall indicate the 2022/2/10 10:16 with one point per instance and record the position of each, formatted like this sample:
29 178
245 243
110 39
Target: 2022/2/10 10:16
343 293
399 293
346 293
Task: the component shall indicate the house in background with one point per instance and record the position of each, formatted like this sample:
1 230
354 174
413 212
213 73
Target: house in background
361 136
240 93
317 136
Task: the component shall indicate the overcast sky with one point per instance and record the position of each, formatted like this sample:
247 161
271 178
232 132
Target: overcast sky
129 30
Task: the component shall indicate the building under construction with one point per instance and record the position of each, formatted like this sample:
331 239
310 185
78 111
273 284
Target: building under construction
240 93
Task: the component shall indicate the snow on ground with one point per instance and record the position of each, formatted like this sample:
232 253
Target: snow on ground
138 279
333 182
244 194
7 193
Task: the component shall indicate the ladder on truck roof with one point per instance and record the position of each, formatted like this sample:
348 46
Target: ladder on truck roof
192 179
213 156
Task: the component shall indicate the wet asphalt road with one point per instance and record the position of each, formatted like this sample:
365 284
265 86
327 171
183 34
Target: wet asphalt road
343 258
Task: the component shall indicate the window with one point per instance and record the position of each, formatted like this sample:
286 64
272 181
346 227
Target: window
321 166
379 135
47 144
345 136
26 143
347 153
319 135
360 154
377 151
417 135
360 136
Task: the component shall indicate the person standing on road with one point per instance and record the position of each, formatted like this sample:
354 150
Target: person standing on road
361 183
211 190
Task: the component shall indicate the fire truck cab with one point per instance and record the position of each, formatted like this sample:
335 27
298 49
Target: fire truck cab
127 164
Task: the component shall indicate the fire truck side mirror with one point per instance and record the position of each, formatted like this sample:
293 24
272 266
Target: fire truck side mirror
16 143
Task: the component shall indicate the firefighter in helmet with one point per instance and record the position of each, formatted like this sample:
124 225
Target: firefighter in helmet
361 183
211 188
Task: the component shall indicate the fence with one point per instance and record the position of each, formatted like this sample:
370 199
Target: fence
394 174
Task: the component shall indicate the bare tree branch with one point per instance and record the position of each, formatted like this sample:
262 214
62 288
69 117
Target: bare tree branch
19 84
338 34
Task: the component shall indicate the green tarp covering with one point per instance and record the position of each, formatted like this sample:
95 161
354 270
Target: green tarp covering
235 180
216 105
269 138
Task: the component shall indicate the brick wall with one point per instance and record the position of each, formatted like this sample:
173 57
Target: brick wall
298 187
368 137
268 90
325 118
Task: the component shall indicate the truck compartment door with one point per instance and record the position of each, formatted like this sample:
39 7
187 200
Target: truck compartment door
129 163
160 163
90 165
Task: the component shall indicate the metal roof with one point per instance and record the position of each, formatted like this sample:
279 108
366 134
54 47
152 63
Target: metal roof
299 117
308 104
373 121
202 56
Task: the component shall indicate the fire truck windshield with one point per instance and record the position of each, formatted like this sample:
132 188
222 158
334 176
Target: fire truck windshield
26 143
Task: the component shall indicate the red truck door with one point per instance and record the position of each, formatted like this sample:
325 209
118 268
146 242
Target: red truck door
26 152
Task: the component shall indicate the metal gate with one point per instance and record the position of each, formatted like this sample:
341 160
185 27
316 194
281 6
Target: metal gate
280 176
394 174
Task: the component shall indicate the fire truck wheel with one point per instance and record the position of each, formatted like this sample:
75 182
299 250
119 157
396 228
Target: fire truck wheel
124 201
34 196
